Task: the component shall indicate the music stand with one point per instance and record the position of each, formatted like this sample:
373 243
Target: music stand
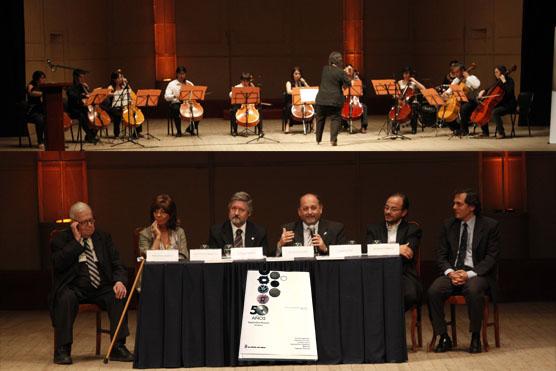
190 93
148 98
355 90
96 97
302 96
434 99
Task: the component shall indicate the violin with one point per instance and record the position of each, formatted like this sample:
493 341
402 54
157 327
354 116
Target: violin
482 114
450 111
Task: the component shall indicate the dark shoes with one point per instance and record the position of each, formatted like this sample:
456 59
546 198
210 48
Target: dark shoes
444 344
475 346
62 355
334 143
121 354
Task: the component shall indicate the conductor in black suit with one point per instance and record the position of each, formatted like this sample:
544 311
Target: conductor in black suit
395 229
87 269
330 98
238 231
310 229
467 256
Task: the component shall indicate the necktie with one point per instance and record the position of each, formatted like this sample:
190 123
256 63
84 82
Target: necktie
238 241
94 274
462 251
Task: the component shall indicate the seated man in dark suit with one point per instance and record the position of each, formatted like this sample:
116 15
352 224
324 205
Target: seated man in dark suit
467 254
395 229
310 229
238 231
87 269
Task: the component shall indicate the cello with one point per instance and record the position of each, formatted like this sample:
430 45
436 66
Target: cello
450 111
352 108
403 106
248 115
482 114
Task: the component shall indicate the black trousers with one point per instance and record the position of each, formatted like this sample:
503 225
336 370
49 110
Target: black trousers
465 114
412 293
473 291
175 113
364 118
336 120
116 117
37 119
66 306
83 119
497 114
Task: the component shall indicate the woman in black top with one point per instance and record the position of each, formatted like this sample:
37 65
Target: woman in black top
330 98
35 114
506 106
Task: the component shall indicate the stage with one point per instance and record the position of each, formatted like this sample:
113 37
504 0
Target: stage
528 337
214 135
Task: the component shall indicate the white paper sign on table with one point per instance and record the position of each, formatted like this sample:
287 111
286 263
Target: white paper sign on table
163 255
298 252
205 255
247 253
341 251
383 249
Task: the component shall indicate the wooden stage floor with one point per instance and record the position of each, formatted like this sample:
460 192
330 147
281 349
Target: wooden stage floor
528 337
214 136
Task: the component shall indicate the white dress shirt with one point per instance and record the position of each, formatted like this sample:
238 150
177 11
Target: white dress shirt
172 93
469 247
393 231
472 83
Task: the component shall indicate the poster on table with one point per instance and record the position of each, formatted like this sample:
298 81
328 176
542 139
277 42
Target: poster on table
278 322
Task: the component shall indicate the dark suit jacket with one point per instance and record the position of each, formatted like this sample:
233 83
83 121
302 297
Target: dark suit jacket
330 88
485 247
221 234
332 233
407 233
65 260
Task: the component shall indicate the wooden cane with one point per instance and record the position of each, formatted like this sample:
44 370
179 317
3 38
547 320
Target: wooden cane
139 271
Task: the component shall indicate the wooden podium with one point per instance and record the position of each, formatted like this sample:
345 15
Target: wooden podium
54 115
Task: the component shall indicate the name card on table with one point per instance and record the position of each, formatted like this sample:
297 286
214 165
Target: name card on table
163 255
292 252
205 255
247 253
383 249
341 251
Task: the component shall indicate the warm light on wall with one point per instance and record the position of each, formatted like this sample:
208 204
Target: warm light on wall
503 181
164 39
353 33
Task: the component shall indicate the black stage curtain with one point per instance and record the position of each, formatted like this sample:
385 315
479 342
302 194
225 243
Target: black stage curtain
537 52
190 313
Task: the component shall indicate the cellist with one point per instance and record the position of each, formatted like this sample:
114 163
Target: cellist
472 84
172 96
118 99
246 81
296 81
353 74
408 86
506 106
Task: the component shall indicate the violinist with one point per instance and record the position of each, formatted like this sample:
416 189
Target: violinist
78 93
296 81
471 86
506 105
409 86
35 113
246 81
353 74
172 96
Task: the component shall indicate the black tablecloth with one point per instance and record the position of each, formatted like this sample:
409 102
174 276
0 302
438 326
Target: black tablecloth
190 313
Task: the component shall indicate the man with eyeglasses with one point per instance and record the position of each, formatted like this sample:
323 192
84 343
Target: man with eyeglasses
395 229
87 269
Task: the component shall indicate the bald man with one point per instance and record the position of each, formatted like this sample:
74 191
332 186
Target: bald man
310 229
87 269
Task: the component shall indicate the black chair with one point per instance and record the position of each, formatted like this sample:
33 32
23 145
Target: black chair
21 117
523 111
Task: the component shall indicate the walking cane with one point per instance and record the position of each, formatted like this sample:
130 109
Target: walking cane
139 271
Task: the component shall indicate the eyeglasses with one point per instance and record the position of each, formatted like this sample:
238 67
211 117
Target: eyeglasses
87 222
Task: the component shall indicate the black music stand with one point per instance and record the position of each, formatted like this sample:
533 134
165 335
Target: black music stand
434 99
148 98
391 127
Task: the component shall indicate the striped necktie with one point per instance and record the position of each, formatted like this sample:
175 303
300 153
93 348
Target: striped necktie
238 241
94 274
